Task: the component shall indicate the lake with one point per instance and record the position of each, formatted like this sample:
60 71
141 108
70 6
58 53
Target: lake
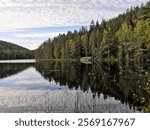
73 87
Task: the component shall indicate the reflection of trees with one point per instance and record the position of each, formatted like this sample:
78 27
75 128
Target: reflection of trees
9 69
124 82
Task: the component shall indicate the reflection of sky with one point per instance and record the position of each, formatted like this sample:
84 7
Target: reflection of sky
29 79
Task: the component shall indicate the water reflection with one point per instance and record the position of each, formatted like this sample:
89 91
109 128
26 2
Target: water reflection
8 69
75 87
124 82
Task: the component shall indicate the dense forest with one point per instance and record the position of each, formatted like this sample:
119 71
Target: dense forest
12 51
125 37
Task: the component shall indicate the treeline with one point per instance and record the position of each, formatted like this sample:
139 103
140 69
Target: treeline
11 51
124 37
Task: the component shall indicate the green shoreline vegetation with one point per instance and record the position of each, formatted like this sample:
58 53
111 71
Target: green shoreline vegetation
9 51
123 38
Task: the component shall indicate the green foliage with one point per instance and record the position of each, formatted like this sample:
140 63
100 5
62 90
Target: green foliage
85 44
12 51
125 37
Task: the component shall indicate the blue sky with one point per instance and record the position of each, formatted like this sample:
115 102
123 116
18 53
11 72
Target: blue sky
31 38
30 22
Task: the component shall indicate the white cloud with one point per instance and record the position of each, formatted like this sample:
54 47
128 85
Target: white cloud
32 37
33 13
16 14
28 44
38 35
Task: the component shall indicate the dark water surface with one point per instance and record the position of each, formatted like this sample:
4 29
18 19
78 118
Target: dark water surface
29 86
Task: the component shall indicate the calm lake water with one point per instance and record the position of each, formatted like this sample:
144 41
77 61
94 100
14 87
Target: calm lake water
29 86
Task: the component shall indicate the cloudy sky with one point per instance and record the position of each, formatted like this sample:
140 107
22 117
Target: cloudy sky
30 22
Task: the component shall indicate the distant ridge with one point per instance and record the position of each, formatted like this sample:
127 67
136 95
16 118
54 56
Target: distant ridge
12 51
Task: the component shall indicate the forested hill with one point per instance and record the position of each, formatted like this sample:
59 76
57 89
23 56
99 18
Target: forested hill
124 37
12 51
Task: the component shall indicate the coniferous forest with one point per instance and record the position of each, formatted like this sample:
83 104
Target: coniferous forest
101 68
126 37
11 51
